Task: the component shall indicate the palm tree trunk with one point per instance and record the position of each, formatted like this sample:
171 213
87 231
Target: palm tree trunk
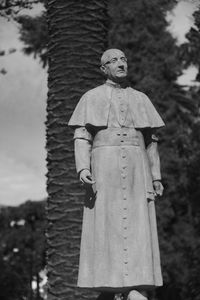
77 38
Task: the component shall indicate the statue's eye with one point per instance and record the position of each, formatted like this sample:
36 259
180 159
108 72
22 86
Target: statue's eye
124 59
113 60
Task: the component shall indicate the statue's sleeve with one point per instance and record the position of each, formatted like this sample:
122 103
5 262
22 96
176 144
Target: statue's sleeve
153 155
82 148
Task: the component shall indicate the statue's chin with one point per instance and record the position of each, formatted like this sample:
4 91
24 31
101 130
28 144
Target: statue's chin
120 78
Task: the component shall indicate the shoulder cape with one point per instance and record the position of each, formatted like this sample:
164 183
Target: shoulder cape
93 109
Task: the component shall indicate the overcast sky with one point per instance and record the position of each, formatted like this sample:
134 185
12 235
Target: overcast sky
22 111
22 116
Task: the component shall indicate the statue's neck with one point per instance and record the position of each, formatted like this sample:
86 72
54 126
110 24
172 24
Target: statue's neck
116 84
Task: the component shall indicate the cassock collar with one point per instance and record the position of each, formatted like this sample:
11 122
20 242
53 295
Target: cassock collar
113 84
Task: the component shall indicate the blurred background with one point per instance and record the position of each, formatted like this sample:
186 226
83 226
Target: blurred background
162 42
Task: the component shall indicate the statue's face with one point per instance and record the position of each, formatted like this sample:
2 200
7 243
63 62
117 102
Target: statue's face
114 65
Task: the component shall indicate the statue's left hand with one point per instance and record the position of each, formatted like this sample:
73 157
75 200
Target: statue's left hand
158 187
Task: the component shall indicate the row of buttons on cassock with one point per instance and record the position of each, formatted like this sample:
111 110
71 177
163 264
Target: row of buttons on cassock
124 175
122 116
123 106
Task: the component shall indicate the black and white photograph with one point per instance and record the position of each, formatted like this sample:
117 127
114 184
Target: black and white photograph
100 149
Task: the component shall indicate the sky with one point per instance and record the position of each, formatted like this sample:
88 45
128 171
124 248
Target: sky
23 94
181 20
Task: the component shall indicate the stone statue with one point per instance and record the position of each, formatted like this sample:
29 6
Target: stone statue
118 162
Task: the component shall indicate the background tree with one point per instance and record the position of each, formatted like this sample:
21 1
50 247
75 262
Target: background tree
139 28
190 55
33 30
22 250
34 34
77 38
11 8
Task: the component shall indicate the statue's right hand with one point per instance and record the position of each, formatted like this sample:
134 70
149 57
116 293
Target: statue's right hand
86 177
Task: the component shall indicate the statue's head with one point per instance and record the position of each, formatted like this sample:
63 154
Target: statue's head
114 65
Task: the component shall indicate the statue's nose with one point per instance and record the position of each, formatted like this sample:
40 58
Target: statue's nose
121 66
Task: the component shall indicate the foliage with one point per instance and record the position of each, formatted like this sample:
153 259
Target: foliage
190 54
139 28
10 8
34 35
22 249
33 30
189 51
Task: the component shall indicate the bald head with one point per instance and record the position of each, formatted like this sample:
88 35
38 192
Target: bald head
114 65
109 54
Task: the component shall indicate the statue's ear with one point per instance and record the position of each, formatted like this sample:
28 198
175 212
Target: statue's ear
103 69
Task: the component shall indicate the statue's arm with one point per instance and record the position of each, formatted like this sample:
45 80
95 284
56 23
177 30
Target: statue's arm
154 161
82 147
154 158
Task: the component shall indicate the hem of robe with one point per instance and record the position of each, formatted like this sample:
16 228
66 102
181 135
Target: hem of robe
142 287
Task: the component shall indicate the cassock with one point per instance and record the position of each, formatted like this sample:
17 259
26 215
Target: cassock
114 139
